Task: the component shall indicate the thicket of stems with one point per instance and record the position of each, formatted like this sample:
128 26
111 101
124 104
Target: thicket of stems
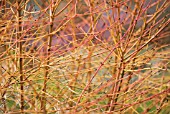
84 56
